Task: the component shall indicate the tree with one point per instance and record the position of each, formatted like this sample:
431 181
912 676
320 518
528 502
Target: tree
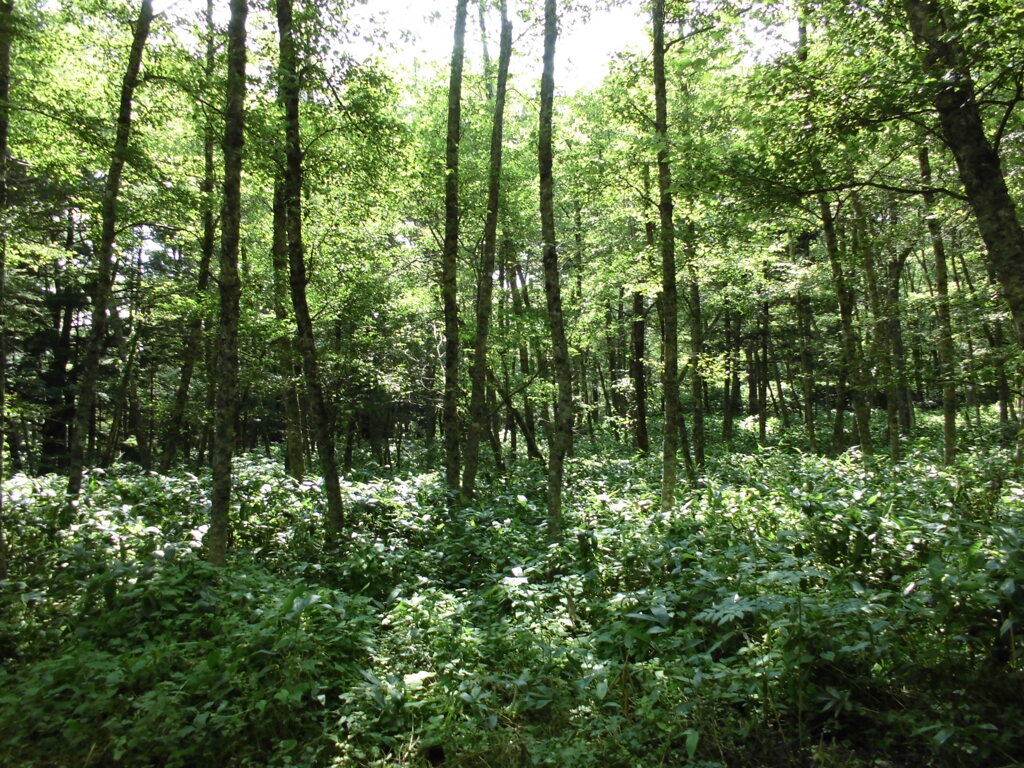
981 171
292 188
105 255
669 294
485 285
947 363
6 33
561 438
194 334
449 257
226 382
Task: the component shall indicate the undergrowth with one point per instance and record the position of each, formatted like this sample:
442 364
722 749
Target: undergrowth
793 610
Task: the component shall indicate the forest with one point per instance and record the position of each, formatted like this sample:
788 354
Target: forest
366 412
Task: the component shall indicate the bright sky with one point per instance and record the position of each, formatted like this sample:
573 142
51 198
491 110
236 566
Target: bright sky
422 30
407 32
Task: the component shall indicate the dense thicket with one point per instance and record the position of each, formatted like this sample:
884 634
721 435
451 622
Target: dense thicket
774 281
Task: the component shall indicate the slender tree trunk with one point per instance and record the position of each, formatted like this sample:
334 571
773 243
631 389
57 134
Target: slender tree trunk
449 258
561 439
731 384
59 416
485 287
529 434
894 328
89 376
126 402
638 371
226 380
761 368
669 297
781 404
880 350
804 322
851 355
618 344
520 305
753 372
977 160
839 422
947 361
6 33
194 342
322 427
294 461
494 429
697 378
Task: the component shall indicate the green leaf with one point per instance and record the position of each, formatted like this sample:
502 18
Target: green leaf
692 741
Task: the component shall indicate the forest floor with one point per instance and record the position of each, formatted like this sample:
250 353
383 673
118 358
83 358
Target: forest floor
793 610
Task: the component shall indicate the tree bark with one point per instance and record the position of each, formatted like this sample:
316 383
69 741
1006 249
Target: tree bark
881 352
669 296
894 327
638 373
696 352
294 457
485 286
226 380
977 160
6 33
105 256
60 399
854 371
529 435
321 425
449 259
761 368
561 438
731 383
947 361
804 314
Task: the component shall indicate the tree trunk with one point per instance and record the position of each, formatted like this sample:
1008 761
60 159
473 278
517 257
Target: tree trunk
697 378
493 420
127 398
894 328
194 342
561 438
61 403
449 258
6 33
839 422
947 361
881 352
638 373
851 355
226 386
294 454
529 434
977 160
89 376
520 305
669 298
731 383
761 368
804 323
322 427
485 287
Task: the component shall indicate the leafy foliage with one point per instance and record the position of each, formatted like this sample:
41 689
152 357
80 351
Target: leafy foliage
793 610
